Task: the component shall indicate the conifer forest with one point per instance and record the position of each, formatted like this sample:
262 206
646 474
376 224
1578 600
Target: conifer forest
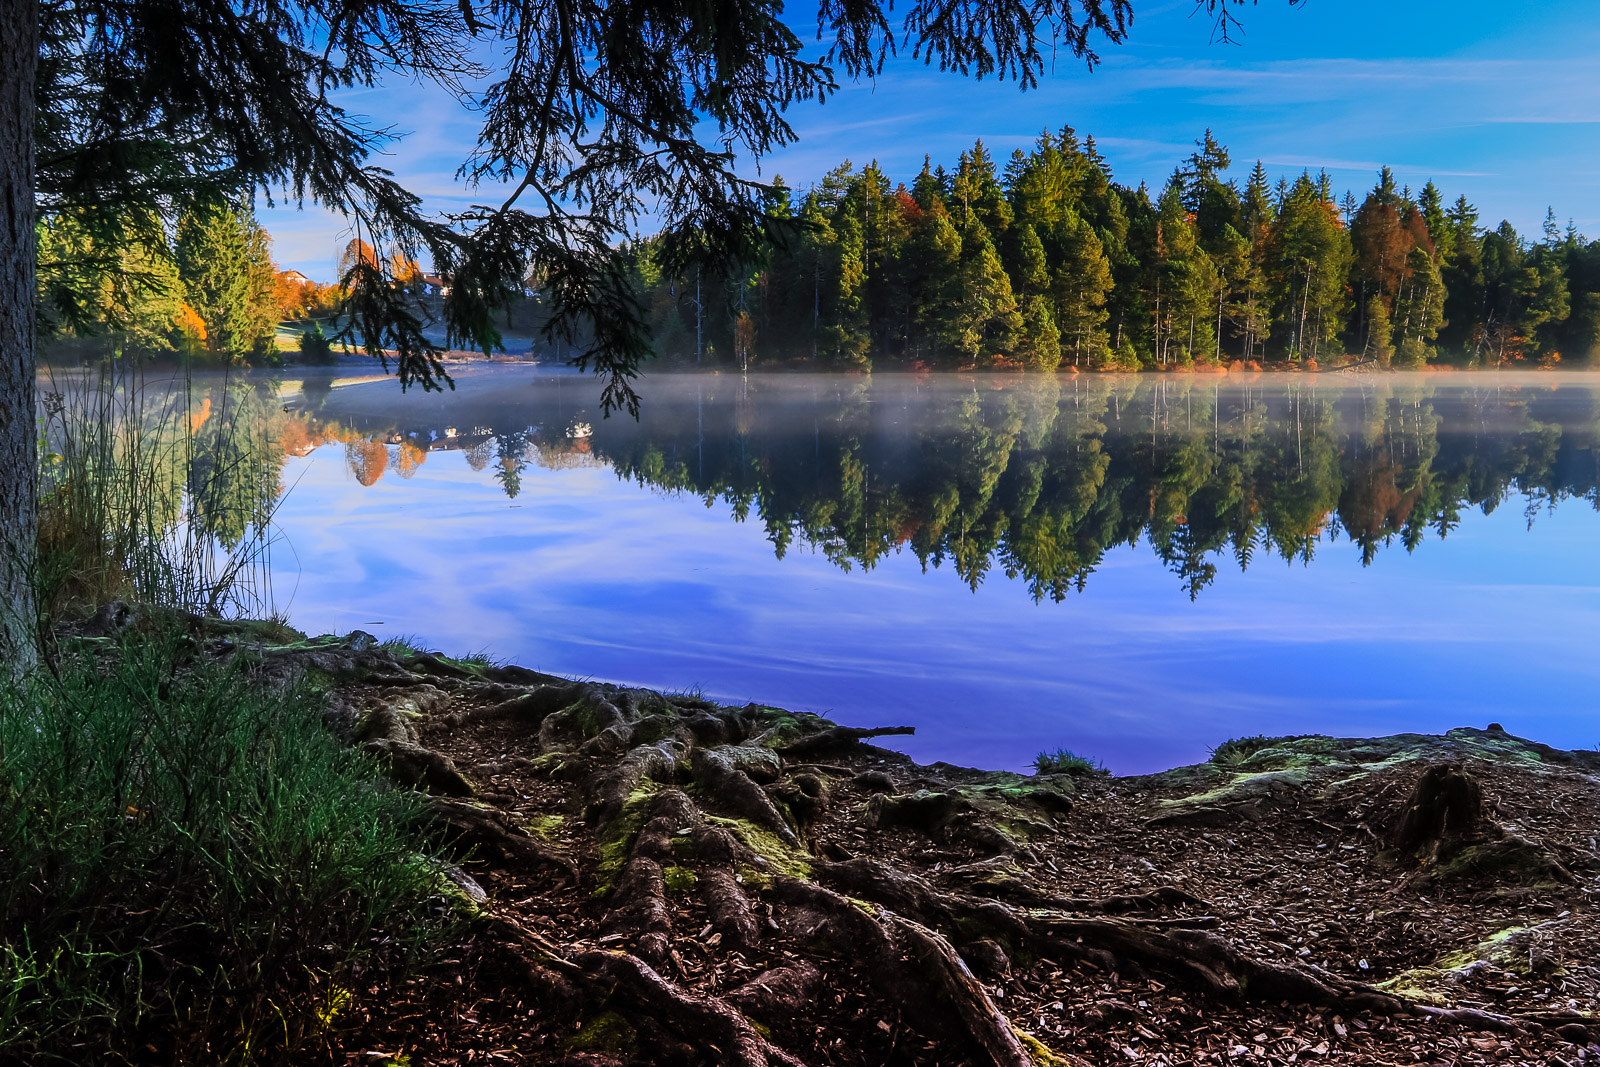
1047 260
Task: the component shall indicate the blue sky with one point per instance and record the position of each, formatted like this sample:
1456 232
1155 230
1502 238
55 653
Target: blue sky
1500 102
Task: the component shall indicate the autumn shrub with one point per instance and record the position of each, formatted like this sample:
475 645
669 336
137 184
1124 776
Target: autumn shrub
192 869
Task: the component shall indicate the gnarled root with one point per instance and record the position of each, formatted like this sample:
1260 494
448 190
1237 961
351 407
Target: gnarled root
707 1023
721 771
477 827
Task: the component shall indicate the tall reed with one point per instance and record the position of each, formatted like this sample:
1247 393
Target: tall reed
157 487
192 868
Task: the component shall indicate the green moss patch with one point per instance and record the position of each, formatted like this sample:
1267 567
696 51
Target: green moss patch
605 1032
764 843
618 838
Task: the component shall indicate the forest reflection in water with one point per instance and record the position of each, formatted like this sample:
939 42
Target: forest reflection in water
1034 477
1134 567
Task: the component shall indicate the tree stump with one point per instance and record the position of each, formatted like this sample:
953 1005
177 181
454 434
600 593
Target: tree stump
1447 804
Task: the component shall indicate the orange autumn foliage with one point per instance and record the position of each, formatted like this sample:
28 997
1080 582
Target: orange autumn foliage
367 460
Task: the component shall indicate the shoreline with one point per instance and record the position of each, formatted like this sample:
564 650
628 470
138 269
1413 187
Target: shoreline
1021 919
610 876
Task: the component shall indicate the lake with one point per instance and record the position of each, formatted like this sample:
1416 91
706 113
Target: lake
1133 567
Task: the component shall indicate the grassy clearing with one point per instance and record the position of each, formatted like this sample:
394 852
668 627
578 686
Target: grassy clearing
192 869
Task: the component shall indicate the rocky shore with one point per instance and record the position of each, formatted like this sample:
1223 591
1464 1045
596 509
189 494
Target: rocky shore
652 878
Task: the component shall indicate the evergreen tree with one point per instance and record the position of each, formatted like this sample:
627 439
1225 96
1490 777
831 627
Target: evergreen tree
226 269
1080 286
847 336
1039 345
1030 273
1431 204
936 282
1379 343
1312 252
1419 309
987 319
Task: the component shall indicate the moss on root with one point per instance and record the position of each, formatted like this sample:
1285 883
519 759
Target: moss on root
605 1032
678 879
1037 1051
1510 950
617 839
768 846
546 826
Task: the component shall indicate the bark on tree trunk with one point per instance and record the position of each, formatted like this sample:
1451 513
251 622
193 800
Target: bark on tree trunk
19 50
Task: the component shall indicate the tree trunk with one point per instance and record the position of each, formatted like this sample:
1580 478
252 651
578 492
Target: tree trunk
19 50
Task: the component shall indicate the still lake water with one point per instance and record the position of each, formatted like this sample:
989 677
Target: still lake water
1135 568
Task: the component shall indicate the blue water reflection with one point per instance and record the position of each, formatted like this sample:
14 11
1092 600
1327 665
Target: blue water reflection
1147 659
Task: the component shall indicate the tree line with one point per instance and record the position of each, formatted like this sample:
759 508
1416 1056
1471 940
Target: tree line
201 285
1049 260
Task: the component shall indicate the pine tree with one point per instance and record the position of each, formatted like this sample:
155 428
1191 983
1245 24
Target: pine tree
1431 204
1379 344
1419 309
1040 343
935 249
1185 282
1238 291
1030 273
1312 251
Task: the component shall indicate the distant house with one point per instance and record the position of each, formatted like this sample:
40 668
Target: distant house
294 277
436 284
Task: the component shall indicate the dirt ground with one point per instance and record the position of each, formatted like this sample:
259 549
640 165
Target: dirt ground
659 880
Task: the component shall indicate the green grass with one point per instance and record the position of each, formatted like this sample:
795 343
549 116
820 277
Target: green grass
191 866
403 645
1065 761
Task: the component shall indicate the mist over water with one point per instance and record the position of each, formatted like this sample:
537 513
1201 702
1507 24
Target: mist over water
1135 568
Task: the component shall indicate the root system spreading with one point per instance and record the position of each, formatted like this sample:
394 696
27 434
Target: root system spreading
670 881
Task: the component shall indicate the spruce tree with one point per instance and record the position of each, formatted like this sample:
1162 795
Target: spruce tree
936 282
1039 342
988 322
226 270
1380 345
1080 287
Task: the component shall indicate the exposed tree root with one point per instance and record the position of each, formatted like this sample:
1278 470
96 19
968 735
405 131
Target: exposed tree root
707 1023
696 810
422 768
949 974
834 738
476 827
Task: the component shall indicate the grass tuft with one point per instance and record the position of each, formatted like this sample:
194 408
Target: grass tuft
192 869
1065 761
1236 750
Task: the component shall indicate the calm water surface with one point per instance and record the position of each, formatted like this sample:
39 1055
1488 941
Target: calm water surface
1134 568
